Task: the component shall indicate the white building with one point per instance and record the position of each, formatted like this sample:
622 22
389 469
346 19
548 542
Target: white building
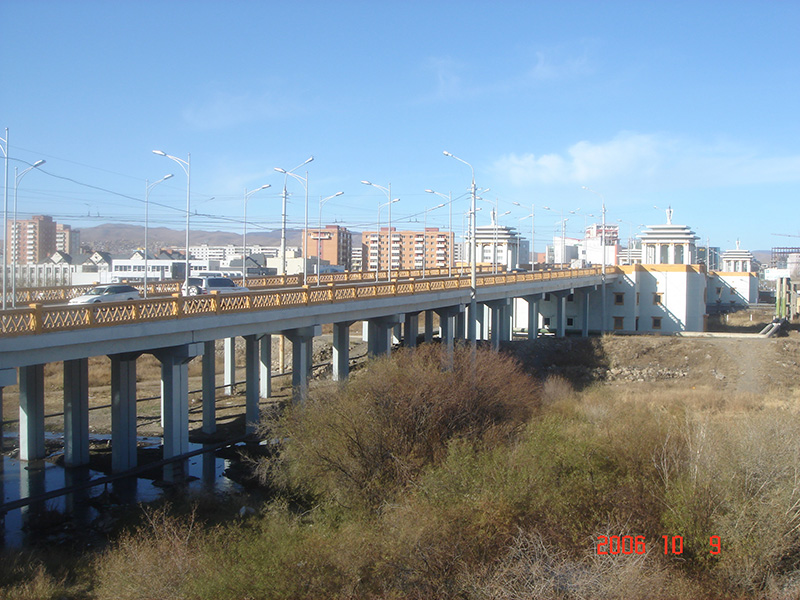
499 245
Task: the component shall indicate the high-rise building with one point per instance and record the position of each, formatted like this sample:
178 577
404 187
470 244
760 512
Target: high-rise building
31 241
333 244
68 240
426 249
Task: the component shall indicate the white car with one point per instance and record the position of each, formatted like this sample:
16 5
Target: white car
107 293
196 286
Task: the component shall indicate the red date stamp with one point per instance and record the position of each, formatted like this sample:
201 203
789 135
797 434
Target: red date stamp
628 544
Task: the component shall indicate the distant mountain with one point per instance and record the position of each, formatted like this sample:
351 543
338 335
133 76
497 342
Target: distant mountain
127 238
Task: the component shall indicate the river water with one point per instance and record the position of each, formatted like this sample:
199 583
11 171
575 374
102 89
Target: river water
60 518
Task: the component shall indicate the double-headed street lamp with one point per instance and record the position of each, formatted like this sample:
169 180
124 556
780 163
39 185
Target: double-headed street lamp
603 244
5 215
147 187
186 165
425 236
449 198
319 230
388 192
15 238
532 217
473 301
244 231
304 181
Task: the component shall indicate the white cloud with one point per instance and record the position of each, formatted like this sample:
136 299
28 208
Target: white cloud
225 110
635 159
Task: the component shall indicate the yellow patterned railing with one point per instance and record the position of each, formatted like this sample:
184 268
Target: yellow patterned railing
39 318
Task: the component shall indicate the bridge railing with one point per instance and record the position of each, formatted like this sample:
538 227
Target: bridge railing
38 318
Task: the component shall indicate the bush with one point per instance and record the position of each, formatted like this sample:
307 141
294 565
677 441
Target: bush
359 443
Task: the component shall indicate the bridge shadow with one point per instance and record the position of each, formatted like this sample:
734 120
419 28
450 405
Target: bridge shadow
579 360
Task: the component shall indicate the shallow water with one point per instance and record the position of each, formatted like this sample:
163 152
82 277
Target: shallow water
23 479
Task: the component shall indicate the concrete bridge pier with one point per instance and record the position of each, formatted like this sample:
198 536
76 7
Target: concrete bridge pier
380 331
7 377
340 359
76 412
209 387
461 325
265 366
501 321
175 400
252 372
447 317
428 326
561 313
587 293
302 347
229 370
481 322
533 315
123 411
411 330
31 412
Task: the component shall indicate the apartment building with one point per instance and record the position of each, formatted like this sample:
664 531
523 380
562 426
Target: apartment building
426 249
332 244
30 241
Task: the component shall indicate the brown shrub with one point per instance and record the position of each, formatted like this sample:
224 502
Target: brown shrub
363 439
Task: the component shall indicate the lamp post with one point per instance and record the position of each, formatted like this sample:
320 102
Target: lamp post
378 266
186 165
450 236
532 217
244 231
425 236
319 230
388 192
5 217
473 301
304 181
147 187
17 178
603 244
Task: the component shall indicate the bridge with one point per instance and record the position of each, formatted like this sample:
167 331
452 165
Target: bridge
177 329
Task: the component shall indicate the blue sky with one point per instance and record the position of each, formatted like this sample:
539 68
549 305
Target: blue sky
692 105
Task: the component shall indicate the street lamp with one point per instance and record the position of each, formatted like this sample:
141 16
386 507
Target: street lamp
532 217
5 216
244 231
319 229
17 178
147 187
473 301
425 236
304 181
388 192
186 165
450 235
603 244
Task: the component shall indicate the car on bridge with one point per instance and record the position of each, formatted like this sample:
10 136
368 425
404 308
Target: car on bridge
196 286
107 293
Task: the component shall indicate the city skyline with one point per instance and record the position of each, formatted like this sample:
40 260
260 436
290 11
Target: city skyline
657 105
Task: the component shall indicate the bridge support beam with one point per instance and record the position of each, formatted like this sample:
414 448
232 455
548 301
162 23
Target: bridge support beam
561 314
265 366
533 315
123 411
229 370
76 412
302 347
340 358
380 331
447 317
461 325
7 377
411 330
585 326
209 387
252 365
500 321
428 326
31 412
175 400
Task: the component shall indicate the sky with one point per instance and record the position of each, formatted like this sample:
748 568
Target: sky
558 108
